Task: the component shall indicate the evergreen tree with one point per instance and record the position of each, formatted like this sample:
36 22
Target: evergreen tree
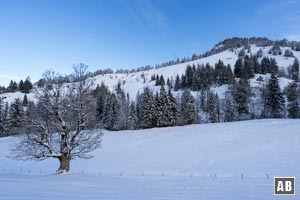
169 83
228 109
265 65
273 66
25 101
172 109
256 65
12 87
110 112
228 76
148 109
21 86
238 68
189 76
157 81
101 93
183 82
2 133
248 67
162 113
162 80
295 70
15 117
188 108
274 100
212 107
132 118
241 94
27 85
292 97
177 83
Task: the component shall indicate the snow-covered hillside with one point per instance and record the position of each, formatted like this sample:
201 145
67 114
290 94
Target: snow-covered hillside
134 82
132 163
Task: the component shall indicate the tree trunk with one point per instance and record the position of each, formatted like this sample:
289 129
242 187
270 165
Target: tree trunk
64 164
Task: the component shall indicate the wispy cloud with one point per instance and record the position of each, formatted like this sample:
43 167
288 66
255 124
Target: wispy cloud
144 13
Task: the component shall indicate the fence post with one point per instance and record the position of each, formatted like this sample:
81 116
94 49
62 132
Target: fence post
215 175
267 176
242 176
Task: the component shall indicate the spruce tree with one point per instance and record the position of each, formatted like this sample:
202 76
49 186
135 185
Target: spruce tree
188 108
162 80
1 117
241 94
177 83
228 109
27 85
110 112
162 113
148 109
132 118
292 97
21 86
101 93
212 107
274 100
238 68
248 67
265 65
295 70
15 117
172 109
25 101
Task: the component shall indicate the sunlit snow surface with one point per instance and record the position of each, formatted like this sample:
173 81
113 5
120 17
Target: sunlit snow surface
205 161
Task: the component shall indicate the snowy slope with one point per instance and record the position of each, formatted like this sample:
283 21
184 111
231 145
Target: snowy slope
192 162
134 82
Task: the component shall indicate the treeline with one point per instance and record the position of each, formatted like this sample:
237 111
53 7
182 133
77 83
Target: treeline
12 115
231 43
23 86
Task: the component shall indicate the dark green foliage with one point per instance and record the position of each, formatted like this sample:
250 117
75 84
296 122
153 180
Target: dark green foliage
294 74
101 93
274 98
188 108
148 109
25 101
15 117
133 117
238 68
177 85
292 97
213 108
241 93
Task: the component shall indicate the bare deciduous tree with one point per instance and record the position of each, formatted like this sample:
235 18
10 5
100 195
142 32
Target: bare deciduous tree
60 125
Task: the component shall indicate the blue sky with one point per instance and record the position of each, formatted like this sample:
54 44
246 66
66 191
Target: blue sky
41 34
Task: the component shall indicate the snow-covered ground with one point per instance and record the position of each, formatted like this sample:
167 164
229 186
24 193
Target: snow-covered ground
134 82
205 161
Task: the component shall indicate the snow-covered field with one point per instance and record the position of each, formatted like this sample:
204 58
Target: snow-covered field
211 161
